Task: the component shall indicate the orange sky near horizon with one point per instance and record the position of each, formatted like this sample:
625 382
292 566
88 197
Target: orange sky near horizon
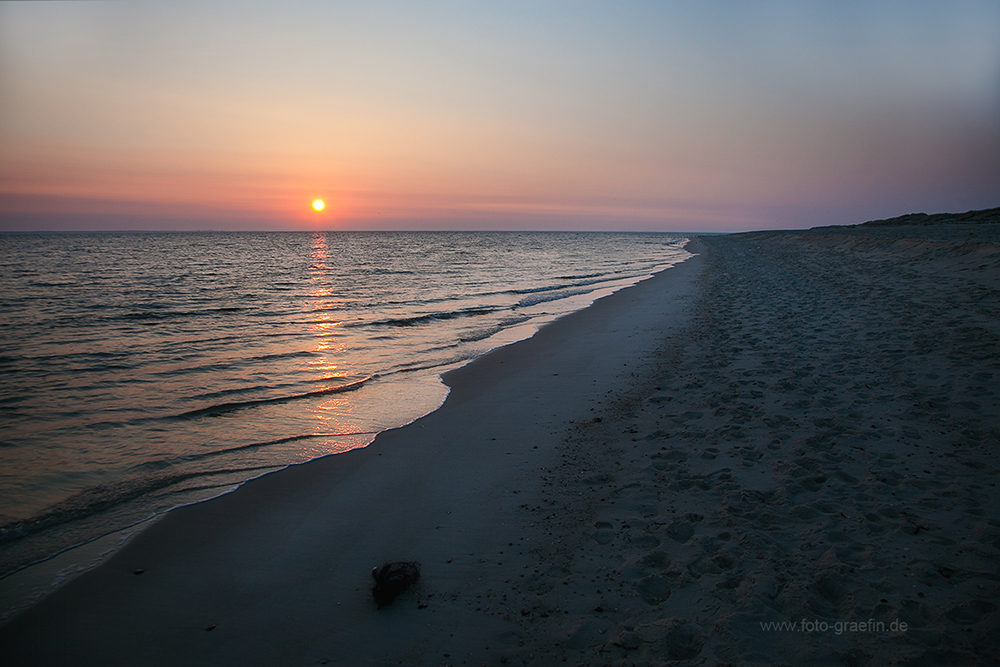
565 116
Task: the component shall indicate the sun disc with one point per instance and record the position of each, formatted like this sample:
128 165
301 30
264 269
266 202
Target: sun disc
318 204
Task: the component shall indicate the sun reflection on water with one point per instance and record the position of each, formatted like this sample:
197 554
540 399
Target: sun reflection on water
334 415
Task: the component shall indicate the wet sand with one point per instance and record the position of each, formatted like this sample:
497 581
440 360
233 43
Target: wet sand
788 427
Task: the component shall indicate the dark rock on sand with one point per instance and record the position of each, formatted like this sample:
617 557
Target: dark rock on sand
392 579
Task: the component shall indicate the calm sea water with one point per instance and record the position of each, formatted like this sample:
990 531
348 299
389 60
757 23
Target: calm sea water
139 372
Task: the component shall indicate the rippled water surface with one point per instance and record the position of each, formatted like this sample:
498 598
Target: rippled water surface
143 371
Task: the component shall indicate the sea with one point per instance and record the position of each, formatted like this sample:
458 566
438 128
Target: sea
140 372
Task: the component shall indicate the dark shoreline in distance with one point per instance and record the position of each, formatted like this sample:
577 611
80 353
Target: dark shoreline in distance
986 216
57 232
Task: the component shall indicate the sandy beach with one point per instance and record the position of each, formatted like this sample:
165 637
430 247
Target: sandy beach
781 451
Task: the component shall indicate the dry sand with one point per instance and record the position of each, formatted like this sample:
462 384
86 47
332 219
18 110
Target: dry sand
788 427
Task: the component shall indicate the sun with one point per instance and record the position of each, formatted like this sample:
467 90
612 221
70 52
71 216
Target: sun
318 204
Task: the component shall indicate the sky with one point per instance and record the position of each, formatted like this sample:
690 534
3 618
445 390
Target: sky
630 116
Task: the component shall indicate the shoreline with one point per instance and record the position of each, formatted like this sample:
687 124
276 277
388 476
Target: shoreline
466 380
180 401
782 429
24 586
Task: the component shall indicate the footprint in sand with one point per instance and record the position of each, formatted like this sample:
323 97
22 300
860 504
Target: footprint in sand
830 596
654 589
680 639
656 559
605 532
680 531
971 612
645 542
669 459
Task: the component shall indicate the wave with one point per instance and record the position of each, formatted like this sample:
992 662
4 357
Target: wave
238 405
534 298
211 410
384 272
233 362
506 323
149 317
104 497
153 316
163 463
581 276
238 391
102 360
582 286
478 295
429 317
582 282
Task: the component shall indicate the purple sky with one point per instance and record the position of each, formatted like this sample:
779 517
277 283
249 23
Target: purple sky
682 116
